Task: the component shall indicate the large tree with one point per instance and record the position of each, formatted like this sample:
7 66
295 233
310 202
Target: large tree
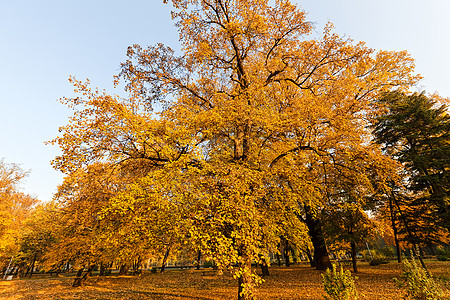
415 130
254 116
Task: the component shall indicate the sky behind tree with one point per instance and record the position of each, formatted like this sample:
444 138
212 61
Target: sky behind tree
44 42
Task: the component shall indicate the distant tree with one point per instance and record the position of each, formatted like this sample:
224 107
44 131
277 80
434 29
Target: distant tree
81 232
15 207
38 236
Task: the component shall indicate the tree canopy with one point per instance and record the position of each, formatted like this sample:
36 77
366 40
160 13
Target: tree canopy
259 122
415 131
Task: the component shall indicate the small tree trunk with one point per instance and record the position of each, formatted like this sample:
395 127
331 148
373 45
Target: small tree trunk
264 266
136 265
27 272
77 281
353 246
67 268
418 254
166 256
394 228
410 233
7 268
123 269
279 259
102 270
310 257
245 281
20 271
32 266
59 268
287 259
80 280
198 259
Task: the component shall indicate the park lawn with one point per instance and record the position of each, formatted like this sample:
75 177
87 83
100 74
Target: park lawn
297 282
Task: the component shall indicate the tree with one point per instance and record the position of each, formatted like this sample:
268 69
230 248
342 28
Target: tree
252 113
416 131
39 234
15 207
84 237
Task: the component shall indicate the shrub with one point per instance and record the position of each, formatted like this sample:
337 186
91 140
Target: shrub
208 264
339 285
379 261
419 284
377 257
443 253
388 252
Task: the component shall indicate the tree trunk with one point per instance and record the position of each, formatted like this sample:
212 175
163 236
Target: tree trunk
287 259
77 281
123 269
245 281
419 255
80 280
7 268
264 266
67 266
199 255
102 270
136 265
279 259
28 271
321 257
166 256
32 266
310 257
59 268
394 228
410 233
20 271
353 246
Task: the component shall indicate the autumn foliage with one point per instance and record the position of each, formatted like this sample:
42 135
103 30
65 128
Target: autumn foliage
257 134
256 119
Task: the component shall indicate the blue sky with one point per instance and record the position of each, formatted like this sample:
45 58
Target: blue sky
43 42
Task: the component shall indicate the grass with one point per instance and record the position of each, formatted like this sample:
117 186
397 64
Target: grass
297 282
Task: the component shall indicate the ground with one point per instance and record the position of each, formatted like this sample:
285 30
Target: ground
297 282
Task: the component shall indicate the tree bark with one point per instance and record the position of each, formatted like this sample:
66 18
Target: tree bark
310 257
5 272
199 255
32 266
166 256
123 269
102 270
245 281
67 266
264 266
353 246
279 259
77 281
418 251
321 257
394 228
136 265
80 280
287 259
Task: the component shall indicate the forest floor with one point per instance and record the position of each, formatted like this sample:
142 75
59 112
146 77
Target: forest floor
296 282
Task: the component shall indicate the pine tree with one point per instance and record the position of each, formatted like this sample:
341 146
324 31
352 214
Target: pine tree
415 131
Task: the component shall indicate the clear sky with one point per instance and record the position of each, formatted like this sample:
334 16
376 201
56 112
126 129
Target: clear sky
43 42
